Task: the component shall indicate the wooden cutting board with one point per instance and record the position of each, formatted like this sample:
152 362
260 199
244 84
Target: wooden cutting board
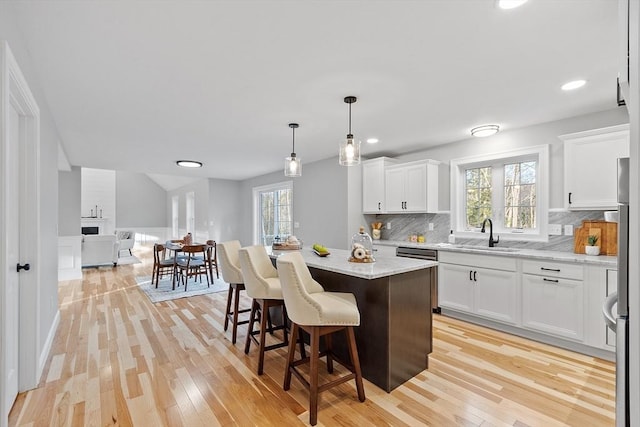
607 233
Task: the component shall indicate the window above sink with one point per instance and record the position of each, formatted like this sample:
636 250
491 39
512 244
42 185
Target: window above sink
511 188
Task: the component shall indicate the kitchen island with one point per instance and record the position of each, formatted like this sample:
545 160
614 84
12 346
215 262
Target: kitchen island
393 295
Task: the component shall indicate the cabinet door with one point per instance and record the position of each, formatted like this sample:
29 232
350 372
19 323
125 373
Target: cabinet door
394 190
496 294
591 167
373 186
455 287
554 306
415 188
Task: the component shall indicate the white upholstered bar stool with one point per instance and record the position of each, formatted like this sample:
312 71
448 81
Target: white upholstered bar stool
320 314
229 260
263 285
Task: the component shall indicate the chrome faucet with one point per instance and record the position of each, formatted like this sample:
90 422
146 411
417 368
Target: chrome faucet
492 242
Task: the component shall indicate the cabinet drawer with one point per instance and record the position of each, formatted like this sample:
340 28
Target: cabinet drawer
553 269
473 260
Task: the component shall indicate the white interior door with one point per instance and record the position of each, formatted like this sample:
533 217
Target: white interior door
10 343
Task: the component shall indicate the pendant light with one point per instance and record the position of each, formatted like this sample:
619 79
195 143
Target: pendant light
292 165
349 149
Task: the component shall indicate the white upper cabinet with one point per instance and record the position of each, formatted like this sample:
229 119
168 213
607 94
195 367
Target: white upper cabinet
412 187
373 184
590 167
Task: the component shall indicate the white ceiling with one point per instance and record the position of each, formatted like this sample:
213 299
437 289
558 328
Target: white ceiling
137 85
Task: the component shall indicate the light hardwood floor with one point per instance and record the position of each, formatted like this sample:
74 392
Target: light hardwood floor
120 360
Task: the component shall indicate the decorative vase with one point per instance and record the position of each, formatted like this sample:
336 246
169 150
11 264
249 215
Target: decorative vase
375 234
592 250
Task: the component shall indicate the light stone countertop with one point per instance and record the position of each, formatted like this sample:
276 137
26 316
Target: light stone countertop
601 260
337 262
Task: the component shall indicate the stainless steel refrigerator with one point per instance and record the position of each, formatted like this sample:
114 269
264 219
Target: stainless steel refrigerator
616 306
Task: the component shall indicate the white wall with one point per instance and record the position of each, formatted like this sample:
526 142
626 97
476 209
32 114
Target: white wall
140 202
69 202
201 191
224 202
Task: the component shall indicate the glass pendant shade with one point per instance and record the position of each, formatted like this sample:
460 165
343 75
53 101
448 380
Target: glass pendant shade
292 166
349 148
349 152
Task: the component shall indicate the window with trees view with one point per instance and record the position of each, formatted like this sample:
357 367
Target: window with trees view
273 212
510 188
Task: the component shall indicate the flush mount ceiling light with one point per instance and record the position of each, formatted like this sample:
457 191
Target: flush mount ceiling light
372 141
510 4
189 164
349 149
575 84
292 165
485 130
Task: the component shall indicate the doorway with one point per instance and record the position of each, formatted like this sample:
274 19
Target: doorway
20 367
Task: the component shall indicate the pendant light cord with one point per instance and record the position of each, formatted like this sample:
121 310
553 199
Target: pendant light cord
294 139
349 118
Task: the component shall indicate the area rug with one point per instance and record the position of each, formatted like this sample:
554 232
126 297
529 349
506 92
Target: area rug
165 293
129 259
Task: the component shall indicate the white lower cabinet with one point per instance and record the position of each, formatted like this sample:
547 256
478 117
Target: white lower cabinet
487 292
558 302
553 305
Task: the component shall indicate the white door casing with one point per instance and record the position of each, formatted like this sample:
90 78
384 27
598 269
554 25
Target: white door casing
19 233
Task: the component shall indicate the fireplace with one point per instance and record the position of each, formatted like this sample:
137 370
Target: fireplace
90 230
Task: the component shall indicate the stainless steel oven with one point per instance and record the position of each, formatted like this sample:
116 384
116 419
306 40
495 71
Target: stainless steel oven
430 255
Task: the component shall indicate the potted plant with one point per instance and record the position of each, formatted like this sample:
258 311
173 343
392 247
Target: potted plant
591 248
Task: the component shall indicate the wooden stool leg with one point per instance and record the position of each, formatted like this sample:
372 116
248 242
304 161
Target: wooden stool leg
236 309
252 319
290 356
226 315
284 324
264 309
313 375
328 344
353 353
303 353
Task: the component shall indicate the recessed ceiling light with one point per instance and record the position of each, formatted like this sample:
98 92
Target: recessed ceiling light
575 84
372 141
189 164
485 130
510 4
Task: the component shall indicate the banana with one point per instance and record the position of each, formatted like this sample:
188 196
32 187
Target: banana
318 247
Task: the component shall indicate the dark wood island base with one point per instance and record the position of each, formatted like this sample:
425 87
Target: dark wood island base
394 337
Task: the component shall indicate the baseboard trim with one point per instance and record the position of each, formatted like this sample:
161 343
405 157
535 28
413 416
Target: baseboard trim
46 349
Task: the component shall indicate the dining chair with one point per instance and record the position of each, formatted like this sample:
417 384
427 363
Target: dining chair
190 266
232 274
212 258
161 264
320 314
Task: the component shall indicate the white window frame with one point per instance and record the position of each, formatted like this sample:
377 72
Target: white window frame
285 185
458 215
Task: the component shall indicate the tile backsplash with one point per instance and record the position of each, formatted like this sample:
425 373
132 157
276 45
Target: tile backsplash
403 225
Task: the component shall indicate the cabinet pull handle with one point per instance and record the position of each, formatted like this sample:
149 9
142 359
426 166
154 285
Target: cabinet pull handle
470 274
550 280
475 279
557 270
570 198
379 204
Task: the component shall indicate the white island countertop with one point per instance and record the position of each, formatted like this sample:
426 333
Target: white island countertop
337 262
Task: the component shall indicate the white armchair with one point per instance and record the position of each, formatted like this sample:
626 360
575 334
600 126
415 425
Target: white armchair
99 249
126 239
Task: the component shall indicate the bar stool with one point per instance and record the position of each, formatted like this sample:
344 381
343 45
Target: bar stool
263 285
320 314
231 273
